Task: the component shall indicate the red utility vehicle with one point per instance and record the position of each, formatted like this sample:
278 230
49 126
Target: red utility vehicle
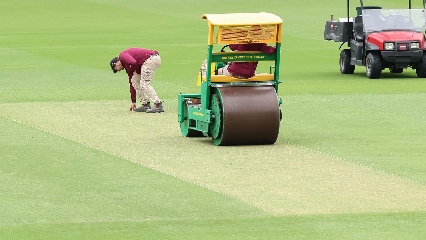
380 38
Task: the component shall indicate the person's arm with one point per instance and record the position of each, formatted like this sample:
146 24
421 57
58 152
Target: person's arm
234 47
132 95
268 49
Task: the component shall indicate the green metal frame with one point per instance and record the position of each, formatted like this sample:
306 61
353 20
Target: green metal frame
199 116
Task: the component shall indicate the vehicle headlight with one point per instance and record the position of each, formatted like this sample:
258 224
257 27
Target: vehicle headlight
389 46
414 45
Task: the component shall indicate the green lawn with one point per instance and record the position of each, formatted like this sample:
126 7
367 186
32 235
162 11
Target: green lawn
76 164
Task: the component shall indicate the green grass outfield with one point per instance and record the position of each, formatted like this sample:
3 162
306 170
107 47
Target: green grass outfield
349 162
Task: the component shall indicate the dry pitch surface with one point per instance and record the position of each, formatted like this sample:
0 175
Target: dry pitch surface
280 179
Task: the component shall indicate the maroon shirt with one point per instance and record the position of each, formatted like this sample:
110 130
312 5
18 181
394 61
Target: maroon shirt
248 69
132 60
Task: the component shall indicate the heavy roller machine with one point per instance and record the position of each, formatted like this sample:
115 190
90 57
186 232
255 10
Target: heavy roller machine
234 111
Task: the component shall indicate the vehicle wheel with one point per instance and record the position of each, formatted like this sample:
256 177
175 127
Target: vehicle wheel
373 65
396 70
421 68
345 62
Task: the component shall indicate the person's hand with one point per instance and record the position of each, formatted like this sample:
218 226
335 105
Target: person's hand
133 106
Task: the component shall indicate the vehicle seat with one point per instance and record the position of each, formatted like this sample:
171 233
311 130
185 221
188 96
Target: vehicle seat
358 28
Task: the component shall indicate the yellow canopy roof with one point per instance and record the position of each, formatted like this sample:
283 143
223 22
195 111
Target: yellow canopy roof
242 19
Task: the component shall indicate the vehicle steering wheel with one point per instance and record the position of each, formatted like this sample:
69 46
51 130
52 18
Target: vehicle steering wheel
223 48
397 20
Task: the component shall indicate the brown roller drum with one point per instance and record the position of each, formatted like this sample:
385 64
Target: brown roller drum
250 115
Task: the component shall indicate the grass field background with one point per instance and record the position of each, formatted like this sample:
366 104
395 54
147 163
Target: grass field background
349 162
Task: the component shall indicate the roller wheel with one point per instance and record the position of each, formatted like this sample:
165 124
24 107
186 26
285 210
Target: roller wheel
244 115
216 121
184 126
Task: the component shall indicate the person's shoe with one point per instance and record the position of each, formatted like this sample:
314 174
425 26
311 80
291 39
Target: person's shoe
143 108
158 108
